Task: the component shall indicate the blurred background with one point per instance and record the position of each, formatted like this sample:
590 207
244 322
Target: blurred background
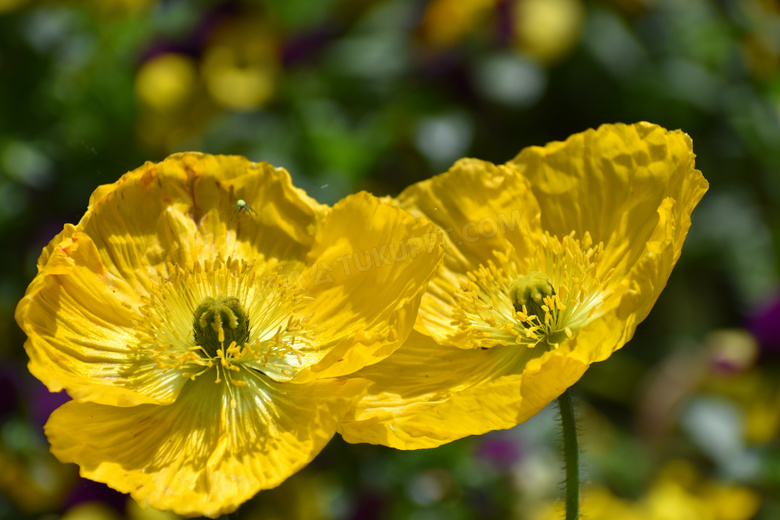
377 94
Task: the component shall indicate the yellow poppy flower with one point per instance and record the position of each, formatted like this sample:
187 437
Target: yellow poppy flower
551 261
202 315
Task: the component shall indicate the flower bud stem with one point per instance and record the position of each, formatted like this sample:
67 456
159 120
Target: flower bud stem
570 456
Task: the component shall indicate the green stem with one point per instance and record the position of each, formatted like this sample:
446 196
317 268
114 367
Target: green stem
571 456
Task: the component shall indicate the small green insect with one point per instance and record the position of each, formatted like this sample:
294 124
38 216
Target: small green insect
242 206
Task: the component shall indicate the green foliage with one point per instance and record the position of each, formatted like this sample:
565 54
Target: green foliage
362 97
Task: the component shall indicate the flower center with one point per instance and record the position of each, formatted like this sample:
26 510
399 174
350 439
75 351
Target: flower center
557 294
218 322
536 306
196 320
528 293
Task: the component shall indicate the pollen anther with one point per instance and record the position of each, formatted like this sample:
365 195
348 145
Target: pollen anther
198 320
560 292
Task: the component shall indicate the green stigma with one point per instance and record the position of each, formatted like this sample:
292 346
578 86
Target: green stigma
217 322
530 291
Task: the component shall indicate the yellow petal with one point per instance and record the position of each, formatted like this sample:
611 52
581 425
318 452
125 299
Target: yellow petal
80 322
428 394
369 268
634 294
67 232
81 313
611 182
183 209
481 209
283 223
200 455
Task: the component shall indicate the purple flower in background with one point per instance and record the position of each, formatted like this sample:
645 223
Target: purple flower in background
765 326
43 402
499 451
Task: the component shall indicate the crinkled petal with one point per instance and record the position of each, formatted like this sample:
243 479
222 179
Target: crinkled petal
67 232
282 219
80 321
184 209
481 209
369 268
428 394
611 182
635 293
200 455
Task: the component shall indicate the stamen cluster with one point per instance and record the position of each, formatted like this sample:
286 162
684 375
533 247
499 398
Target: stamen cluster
220 315
557 294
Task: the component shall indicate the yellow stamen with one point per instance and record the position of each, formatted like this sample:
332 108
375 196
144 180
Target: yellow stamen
496 304
219 315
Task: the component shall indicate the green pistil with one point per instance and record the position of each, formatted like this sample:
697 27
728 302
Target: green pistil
223 313
530 291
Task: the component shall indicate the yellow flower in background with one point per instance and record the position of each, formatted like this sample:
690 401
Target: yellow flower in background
11 5
167 83
241 64
178 94
205 345
678 492
672 496
598 503
446 21
544 30
547 30
173 105
551 261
